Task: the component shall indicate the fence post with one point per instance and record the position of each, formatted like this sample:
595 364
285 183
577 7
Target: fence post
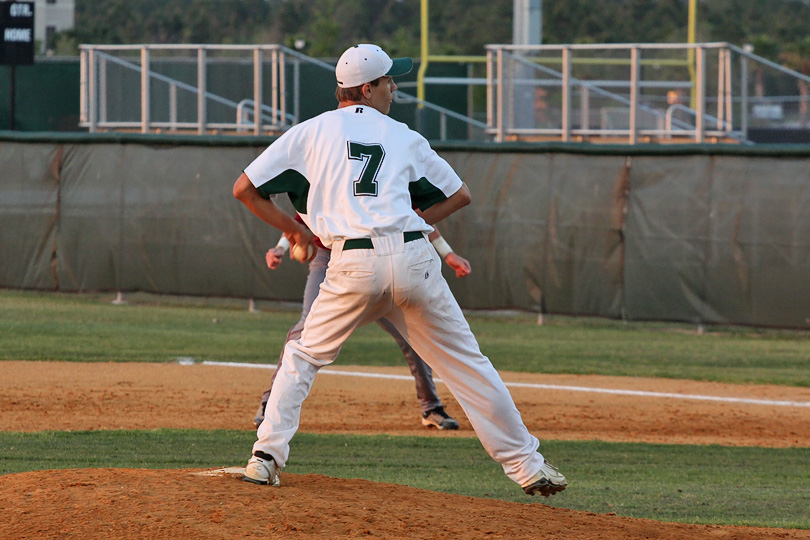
491 88
101 94
721 88
584 107
274 87
257 91
145 72
91 90
202 90
635 56
729 95
83 89
173 106
700 95
744 96
566 94
282 87
296 89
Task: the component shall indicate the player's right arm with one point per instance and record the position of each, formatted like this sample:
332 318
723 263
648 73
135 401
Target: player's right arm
441 210
267 211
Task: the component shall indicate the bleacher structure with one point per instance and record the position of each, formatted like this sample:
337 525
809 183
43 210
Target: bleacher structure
603 93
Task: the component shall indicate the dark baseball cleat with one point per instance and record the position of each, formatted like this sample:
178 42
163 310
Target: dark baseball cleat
439 419
547 481
259 417
262 471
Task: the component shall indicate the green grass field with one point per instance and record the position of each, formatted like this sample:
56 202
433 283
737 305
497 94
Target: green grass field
88 328
694 484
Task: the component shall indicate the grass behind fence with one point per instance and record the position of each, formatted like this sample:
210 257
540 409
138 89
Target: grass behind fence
42 326
690 484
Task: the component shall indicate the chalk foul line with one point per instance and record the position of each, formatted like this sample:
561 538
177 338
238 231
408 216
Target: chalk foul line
538 386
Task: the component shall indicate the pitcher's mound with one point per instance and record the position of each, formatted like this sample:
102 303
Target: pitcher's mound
236 472
113 504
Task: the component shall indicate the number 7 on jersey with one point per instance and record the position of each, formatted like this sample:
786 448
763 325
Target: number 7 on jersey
372 156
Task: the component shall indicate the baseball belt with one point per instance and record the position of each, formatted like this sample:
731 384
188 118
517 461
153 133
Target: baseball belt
366 243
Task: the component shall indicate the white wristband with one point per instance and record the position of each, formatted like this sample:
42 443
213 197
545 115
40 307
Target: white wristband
283 243
442 247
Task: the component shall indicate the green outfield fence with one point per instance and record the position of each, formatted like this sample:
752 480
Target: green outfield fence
46 96
706 234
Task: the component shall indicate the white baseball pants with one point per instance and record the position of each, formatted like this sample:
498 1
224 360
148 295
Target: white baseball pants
403 282
422 374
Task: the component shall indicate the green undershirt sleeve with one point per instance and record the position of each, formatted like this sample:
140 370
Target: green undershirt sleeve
291 182
424 194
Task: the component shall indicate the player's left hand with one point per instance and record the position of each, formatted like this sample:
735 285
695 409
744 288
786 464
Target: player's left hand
273 257
459 264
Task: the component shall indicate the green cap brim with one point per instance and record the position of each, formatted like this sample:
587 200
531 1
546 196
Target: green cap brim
401 66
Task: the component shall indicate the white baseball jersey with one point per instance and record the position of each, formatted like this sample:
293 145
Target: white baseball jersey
347 184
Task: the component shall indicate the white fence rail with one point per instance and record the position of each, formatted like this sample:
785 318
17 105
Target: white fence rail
625 93
139 65
635 92
215 88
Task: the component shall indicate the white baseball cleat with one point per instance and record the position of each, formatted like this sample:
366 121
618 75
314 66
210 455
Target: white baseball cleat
547 481
262 471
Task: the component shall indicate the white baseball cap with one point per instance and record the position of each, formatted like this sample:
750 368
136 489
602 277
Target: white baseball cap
365 62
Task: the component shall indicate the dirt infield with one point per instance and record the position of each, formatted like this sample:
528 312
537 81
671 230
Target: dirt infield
123 504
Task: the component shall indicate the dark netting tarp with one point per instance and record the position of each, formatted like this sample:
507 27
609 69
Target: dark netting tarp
666 238
759 263
29 194
152 218
163 219
719 239
539 232
704 234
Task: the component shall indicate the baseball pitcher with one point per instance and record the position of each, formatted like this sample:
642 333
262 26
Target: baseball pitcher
355 176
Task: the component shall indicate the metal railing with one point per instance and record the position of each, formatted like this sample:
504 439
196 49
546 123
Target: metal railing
476 130
168 87
246 115
627 92
140 60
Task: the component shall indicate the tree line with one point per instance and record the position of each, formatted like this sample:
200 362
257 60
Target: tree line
777 29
